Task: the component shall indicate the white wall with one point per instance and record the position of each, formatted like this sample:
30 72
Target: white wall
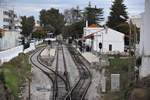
147 28
7 55
88 31
32 47
1 18
141 44
9 40
116 39
38 42
145 42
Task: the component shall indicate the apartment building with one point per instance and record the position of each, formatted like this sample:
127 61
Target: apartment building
10 24
144 41
9 19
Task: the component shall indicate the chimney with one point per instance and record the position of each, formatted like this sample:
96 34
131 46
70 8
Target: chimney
86 23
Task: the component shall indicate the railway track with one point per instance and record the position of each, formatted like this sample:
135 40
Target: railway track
79 91
32 60
61 69
60 82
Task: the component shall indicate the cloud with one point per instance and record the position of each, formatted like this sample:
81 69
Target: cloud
29 7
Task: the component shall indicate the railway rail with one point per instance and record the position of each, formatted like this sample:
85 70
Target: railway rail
62 89
60 82
79 91
32 60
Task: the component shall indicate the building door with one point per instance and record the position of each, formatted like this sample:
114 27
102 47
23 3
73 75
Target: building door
110 47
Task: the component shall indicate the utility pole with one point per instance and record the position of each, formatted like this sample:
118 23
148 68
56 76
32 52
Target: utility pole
136 67
130 32
29 88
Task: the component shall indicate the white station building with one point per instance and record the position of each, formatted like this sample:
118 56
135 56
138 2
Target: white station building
112 41
145 41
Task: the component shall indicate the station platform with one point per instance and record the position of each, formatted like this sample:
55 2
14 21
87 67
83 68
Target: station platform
52 52
48 52
90 57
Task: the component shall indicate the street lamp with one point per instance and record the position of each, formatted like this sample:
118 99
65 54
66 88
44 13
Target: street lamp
29 86
130 31
134 44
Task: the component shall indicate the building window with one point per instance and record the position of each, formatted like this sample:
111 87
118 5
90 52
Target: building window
110 47
6 13
6 26
6 20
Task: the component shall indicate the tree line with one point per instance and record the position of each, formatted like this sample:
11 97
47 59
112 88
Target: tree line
71 22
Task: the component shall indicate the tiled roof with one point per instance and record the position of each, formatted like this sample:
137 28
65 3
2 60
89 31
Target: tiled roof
93 26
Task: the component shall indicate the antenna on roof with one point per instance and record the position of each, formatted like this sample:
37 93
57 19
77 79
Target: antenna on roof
106 29
90 4
95 7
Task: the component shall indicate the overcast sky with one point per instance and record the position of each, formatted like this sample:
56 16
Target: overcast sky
32 7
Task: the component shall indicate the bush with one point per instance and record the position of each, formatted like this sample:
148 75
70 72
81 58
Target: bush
14 73
38 34
122 67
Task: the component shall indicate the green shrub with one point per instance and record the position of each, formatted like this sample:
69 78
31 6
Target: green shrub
15 72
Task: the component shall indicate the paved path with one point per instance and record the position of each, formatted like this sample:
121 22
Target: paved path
40 86
90 57
94 92
71 67
61 68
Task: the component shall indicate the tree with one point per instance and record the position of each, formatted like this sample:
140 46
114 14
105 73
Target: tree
27 25
76 20
72 15
1 33
53 19
93 15
74 30
115 20
39 33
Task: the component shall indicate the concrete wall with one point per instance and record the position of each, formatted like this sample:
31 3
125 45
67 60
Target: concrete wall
32 47
145 42
7 55
9 40
38 42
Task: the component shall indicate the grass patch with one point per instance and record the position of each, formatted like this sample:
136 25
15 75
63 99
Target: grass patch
120 65
112 96
15 72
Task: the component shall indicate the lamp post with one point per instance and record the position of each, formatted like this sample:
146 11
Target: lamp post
130 31
134 44
29 87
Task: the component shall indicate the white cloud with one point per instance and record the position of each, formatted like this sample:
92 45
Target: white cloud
32 7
